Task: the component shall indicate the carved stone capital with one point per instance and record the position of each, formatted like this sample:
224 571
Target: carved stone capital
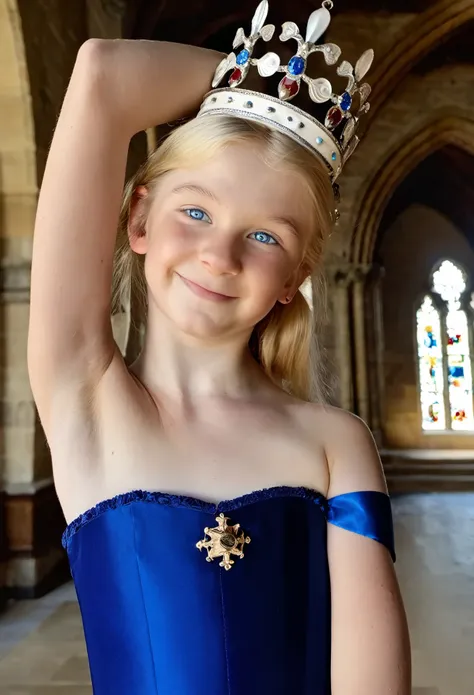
361 272
345 275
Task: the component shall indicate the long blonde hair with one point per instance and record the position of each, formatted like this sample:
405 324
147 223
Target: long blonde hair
286 342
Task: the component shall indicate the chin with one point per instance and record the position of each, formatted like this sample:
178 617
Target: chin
201 323
202 326
204 320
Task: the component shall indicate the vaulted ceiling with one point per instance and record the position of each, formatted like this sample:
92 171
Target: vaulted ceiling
444 181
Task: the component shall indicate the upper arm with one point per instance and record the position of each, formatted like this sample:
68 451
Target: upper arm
370 642
70 335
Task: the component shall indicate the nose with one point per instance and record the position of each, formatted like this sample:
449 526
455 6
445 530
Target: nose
221 256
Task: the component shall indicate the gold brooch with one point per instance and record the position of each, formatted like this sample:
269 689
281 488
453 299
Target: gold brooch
223 541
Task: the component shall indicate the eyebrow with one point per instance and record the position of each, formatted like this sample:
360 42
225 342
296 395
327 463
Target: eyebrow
194 188
287 222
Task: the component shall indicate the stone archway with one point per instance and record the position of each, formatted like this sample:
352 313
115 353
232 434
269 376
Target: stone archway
415 41
17 135
404 158
399 161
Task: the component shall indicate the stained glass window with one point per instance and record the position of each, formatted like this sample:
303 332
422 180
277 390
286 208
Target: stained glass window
430 359
444 355
459 371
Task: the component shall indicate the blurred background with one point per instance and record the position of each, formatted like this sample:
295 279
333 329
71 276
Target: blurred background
400 335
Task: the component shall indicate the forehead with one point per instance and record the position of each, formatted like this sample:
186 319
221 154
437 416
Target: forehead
240 178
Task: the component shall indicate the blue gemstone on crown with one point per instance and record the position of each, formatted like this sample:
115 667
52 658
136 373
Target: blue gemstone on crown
331 145
296 65
242 57
346 101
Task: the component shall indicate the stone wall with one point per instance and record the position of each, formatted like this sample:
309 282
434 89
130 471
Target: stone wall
416 119
18 188
413 245
419 102
39 43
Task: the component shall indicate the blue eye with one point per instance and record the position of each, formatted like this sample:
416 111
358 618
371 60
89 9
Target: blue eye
197 214
264 238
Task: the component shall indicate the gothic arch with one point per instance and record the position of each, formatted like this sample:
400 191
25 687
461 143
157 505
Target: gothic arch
17 141
415 41
404 158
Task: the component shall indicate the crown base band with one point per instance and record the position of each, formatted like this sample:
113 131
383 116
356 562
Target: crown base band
277 115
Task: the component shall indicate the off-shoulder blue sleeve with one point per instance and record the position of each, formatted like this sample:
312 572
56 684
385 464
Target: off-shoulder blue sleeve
367 513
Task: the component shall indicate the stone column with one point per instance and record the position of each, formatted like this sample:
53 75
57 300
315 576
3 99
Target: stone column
375 350
362 404
18 193
37 54
340 279
33 518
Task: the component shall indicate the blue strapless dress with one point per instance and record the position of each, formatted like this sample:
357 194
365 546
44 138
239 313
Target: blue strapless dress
160 620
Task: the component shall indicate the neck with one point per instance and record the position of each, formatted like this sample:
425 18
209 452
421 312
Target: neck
187 369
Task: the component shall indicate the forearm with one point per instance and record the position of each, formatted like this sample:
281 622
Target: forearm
151 82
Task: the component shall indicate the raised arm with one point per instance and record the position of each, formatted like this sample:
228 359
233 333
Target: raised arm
370 642
117 89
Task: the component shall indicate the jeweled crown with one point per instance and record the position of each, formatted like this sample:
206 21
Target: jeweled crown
333 140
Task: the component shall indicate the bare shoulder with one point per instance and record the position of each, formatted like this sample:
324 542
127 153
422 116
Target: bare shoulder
352 456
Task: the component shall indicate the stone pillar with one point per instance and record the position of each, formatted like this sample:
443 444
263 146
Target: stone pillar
375 350
18 193
3 553
341 279
32 515
37 53
362 405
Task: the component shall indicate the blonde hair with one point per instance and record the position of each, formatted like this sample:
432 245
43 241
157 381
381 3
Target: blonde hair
286 341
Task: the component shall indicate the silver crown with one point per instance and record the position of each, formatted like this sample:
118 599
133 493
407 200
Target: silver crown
277 112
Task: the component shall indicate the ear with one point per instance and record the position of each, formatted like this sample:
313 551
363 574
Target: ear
294 283
137 234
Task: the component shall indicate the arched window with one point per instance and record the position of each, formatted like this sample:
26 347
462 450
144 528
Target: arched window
445 352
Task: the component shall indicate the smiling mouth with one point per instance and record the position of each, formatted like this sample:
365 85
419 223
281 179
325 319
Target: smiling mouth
204 292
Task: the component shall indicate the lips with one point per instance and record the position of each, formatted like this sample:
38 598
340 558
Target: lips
205 293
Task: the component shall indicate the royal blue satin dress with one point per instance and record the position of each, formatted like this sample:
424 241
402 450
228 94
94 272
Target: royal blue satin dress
161 620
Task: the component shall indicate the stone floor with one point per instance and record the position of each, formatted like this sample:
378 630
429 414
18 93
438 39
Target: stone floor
42 649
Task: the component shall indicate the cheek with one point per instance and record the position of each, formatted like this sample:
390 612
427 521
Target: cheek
170 243
270 269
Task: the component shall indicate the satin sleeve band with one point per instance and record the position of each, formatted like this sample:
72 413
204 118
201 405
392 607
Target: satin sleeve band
367 513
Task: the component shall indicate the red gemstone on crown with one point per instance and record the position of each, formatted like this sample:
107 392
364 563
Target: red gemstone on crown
235 77
333 117
288 88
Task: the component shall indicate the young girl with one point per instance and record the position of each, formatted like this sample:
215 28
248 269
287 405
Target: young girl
218 230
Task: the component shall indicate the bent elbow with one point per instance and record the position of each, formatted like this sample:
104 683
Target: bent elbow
93 59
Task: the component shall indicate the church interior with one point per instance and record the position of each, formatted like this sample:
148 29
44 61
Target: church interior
399 336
